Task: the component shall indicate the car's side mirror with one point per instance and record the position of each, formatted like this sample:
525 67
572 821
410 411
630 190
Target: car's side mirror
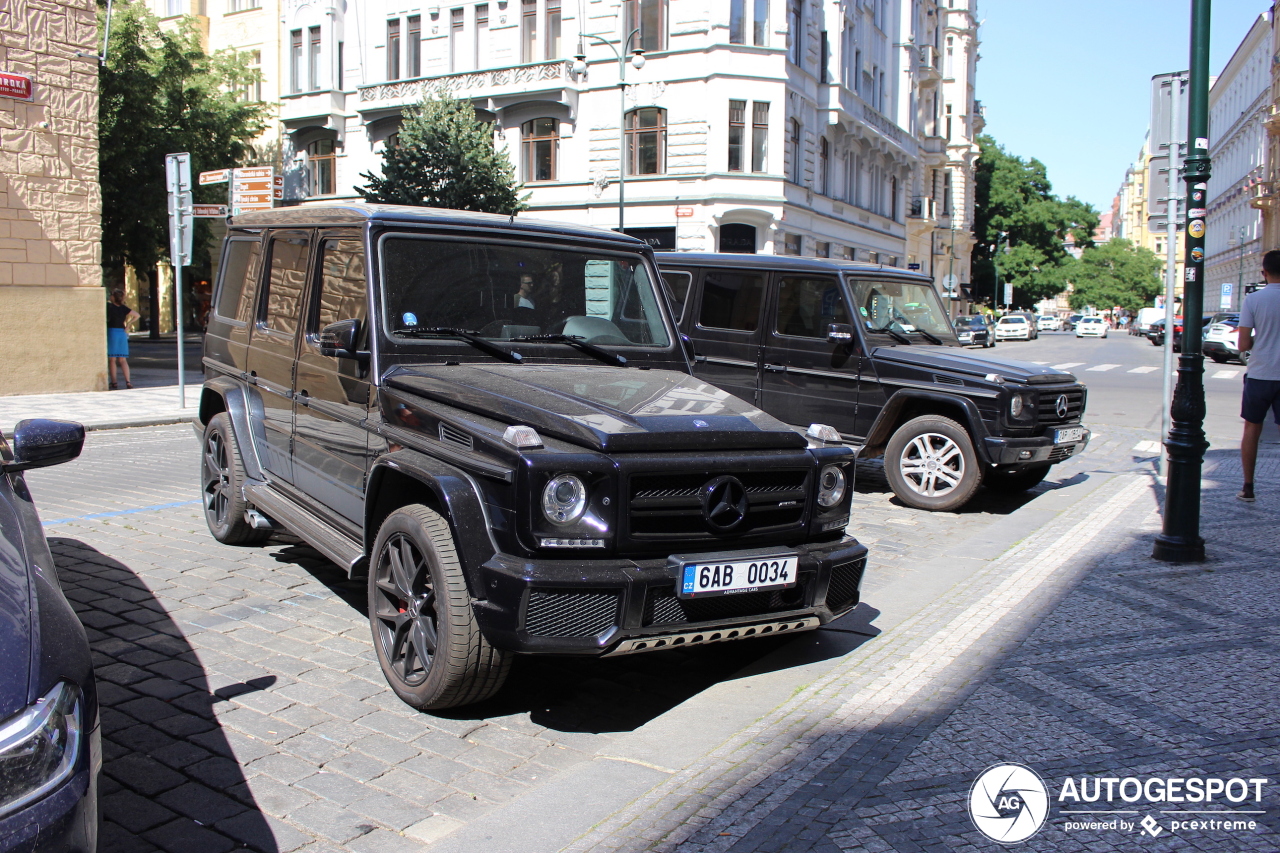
840 333
338 340
40 442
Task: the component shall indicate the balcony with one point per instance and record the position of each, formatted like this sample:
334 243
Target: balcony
928 65
852 110
1263 195
923 208
933 144
500 87
313 109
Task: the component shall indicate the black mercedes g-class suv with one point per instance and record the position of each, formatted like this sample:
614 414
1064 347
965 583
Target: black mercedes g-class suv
870 350
494 418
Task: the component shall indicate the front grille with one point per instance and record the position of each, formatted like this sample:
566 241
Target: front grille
1060 453
664 608
669 505
1049 401
842 592
571 613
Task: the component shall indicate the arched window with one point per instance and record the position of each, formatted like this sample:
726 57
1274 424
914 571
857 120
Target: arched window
647 142
540 140
322 171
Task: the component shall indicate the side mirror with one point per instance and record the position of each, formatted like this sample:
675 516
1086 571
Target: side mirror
840 333
39 443
338 340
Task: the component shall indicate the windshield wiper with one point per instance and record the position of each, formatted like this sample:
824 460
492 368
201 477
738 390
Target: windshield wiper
482 344
932 338
901 338
578 343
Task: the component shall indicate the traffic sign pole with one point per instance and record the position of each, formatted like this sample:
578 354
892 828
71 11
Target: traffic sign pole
178 173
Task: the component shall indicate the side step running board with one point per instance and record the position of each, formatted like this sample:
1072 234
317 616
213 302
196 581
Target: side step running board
324 537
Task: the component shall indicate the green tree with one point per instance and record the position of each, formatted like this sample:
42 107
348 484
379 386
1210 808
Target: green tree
1114 273
445 157
159 94
1013 197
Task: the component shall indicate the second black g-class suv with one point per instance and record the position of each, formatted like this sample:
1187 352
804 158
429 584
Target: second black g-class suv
495 419
871 351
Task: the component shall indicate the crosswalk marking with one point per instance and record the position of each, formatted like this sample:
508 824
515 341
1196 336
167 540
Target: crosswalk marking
1102 367
1148 447
1067 365
1225 374
1147 369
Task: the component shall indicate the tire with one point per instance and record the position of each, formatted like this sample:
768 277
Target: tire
221 486
1217 357
949 444
424 631
1014 481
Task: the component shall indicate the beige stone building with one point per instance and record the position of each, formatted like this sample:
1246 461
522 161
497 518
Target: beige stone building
51 296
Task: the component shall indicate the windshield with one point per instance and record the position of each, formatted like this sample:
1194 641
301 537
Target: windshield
972 322
899 305
501 291
1013 320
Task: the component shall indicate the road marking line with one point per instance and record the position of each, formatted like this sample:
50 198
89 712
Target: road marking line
1102 367
1148 447
1226 374
1067 364
118 512
1143 369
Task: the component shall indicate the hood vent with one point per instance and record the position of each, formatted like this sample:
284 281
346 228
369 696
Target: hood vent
455 436
947 380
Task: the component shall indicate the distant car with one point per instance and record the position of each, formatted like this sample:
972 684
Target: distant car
1141 323
1156 333
50 743
1221 340
1049 323
1091 327
973 332
1069 324
1031 321
1014 327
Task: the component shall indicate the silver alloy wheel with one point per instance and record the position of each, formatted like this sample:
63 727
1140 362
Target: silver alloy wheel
932 464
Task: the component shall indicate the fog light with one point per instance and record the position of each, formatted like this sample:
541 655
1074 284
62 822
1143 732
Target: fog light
1025 454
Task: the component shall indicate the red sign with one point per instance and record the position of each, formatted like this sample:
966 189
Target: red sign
208 211
16 86
684 211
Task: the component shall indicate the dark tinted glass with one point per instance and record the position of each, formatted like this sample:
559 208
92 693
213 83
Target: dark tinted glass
285 285
807 306
241 256
342 283
678 284
731 300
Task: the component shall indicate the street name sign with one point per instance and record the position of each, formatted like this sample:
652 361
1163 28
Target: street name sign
217 176
16 86
209 211
253 188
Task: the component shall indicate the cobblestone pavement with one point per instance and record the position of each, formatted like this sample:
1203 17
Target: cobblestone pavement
1074 653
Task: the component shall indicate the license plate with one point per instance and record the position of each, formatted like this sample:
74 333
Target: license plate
722 577
1066 436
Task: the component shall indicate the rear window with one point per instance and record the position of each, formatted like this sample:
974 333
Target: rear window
235 301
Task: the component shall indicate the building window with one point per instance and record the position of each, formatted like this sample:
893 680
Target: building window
413 47
295 62
824 166
795 31
540 139
253 91
946 194
738 22
322 169
456 24
313 59
341 77
245 5
175 7
789 244
647 142
760 22
821 250
948 122
824 57
650 17
528 30
893 199
393 49
737 130
482 36
553 30
759 135
793 152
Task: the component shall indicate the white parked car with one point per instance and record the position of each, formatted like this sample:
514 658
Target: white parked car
1013 327
1092 327
1049 323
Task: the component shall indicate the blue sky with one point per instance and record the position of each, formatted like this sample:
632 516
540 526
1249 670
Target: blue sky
1069 83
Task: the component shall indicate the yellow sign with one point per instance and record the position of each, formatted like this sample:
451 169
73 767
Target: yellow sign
1196 228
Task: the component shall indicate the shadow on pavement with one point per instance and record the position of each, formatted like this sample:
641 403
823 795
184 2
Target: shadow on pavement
870 479
170 778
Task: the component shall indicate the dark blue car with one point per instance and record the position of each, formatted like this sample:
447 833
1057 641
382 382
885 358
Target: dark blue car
50 750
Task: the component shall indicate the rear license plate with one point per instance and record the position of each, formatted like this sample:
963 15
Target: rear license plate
720 577
1069 435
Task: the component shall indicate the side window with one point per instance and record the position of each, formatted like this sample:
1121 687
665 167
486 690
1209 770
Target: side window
807 306
678 285
731 300
235 270
342 284
252 275
288 275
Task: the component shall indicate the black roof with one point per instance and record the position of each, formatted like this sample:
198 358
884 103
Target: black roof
357 214
782 262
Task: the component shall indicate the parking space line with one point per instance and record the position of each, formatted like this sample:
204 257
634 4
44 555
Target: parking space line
1066 365
1226 374
1145 369
1102 367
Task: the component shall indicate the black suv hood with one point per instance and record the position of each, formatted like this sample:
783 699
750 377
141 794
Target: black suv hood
605 408
968 362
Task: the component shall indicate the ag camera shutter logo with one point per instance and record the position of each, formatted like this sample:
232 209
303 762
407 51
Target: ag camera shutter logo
1008 803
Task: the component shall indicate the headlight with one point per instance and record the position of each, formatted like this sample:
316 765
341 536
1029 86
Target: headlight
39 747
831 486
1015 406
564 499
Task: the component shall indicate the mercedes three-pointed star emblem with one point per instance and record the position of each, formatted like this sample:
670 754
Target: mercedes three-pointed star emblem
724 503
1060 406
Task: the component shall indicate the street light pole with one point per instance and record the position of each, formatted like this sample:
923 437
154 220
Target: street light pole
1180 540
637 62
995 260
1239 297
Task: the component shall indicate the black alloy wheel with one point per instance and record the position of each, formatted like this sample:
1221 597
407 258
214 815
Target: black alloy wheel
221 482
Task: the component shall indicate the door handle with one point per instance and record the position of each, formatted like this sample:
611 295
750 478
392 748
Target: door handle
776 368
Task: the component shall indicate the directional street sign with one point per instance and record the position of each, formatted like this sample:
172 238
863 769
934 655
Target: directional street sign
217 176
209 211
253 188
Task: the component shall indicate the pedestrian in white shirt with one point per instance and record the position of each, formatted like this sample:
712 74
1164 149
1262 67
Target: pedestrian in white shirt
1260 337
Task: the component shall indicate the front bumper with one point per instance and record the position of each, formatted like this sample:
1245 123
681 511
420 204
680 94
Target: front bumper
618 606
1034 450
1220 346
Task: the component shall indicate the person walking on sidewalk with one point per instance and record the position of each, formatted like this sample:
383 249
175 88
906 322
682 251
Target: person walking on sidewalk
120 318
1260 337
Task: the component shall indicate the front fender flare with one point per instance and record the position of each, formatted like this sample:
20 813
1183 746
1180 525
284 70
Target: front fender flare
947 405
